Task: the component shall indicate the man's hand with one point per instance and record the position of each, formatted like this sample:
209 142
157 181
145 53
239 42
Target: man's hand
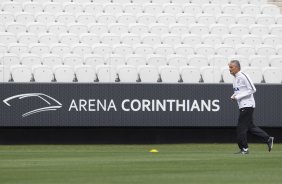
233 98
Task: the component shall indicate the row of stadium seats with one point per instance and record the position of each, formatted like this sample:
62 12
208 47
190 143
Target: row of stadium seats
128 73
142 49
87 19
132 39
13 29
154 8
255 2
137 60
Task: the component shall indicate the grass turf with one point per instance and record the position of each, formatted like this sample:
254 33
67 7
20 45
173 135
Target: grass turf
133 164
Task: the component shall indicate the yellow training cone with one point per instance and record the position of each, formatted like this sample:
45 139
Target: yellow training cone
154 151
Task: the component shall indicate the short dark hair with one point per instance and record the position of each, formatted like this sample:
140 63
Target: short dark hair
236 62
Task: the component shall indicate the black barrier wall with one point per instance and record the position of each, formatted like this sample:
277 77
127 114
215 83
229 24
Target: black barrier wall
132 105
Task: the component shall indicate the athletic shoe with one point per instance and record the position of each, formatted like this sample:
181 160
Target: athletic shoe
242 152
270 143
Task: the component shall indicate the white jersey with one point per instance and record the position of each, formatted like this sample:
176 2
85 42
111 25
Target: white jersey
244 90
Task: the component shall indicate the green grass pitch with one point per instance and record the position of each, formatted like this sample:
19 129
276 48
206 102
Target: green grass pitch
133 164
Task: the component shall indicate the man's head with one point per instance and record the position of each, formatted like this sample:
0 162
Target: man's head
234 67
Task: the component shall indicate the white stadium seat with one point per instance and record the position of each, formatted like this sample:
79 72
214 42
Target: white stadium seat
192 9
250 9
224 49
63 73
51 60
127 73
112 8
65 18
110 39
212 9
45 17
166 18
279 50
226 19
245 50
6 17
179 29
171 39
156 60
85 18
138 29
172 8
24 18
16 28
169 74
272 75
265 50
6 38
148 74
85 73
133 8
72 7
9 59
259 61
72 60
210 74
266 20
18 48
52 7
106 73
152 8
246 19
3 48
177 60
219 29
85 38
272 40
259 30
184 49
150 39
36 28
30 60
12 7
238 29
255 73
159 28
231 9
190 74
21 73
164 49
218 60
57 28
252 40
42 73
4 74
94 60
70 38
48 38
191 39
102 49
122 49
185 18
275 61
27 38
115 60
199 29
205 49
60 49
206 19
231 39
143 49
270 9
146 18
135 60
197 60
77 28
118 28
130 39
93 8
98 28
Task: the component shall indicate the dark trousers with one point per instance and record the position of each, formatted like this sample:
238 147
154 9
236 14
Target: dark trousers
245 125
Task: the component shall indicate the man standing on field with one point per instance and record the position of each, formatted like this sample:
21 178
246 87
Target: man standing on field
243 94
